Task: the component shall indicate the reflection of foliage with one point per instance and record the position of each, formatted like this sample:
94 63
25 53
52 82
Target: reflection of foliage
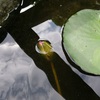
19 26
7 6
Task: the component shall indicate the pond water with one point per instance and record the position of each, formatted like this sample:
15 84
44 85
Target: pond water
25 73
53 33
20 79
26 79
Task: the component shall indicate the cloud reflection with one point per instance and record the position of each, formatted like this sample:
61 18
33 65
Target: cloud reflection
20 79
51 32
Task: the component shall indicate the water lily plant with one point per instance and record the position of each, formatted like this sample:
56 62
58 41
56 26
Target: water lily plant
44 47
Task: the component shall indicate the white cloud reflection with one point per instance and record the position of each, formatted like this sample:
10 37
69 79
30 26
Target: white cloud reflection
49 31
20 79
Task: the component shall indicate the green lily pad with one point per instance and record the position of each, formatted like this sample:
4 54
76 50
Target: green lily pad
81 39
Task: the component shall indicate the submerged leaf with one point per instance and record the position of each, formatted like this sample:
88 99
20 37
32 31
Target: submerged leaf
82 40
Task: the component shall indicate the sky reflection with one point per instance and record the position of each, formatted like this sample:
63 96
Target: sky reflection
51 32
20 79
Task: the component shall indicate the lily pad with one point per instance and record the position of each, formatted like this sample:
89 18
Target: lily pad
81 39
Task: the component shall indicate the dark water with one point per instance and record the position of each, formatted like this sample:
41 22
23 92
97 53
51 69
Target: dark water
74 85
